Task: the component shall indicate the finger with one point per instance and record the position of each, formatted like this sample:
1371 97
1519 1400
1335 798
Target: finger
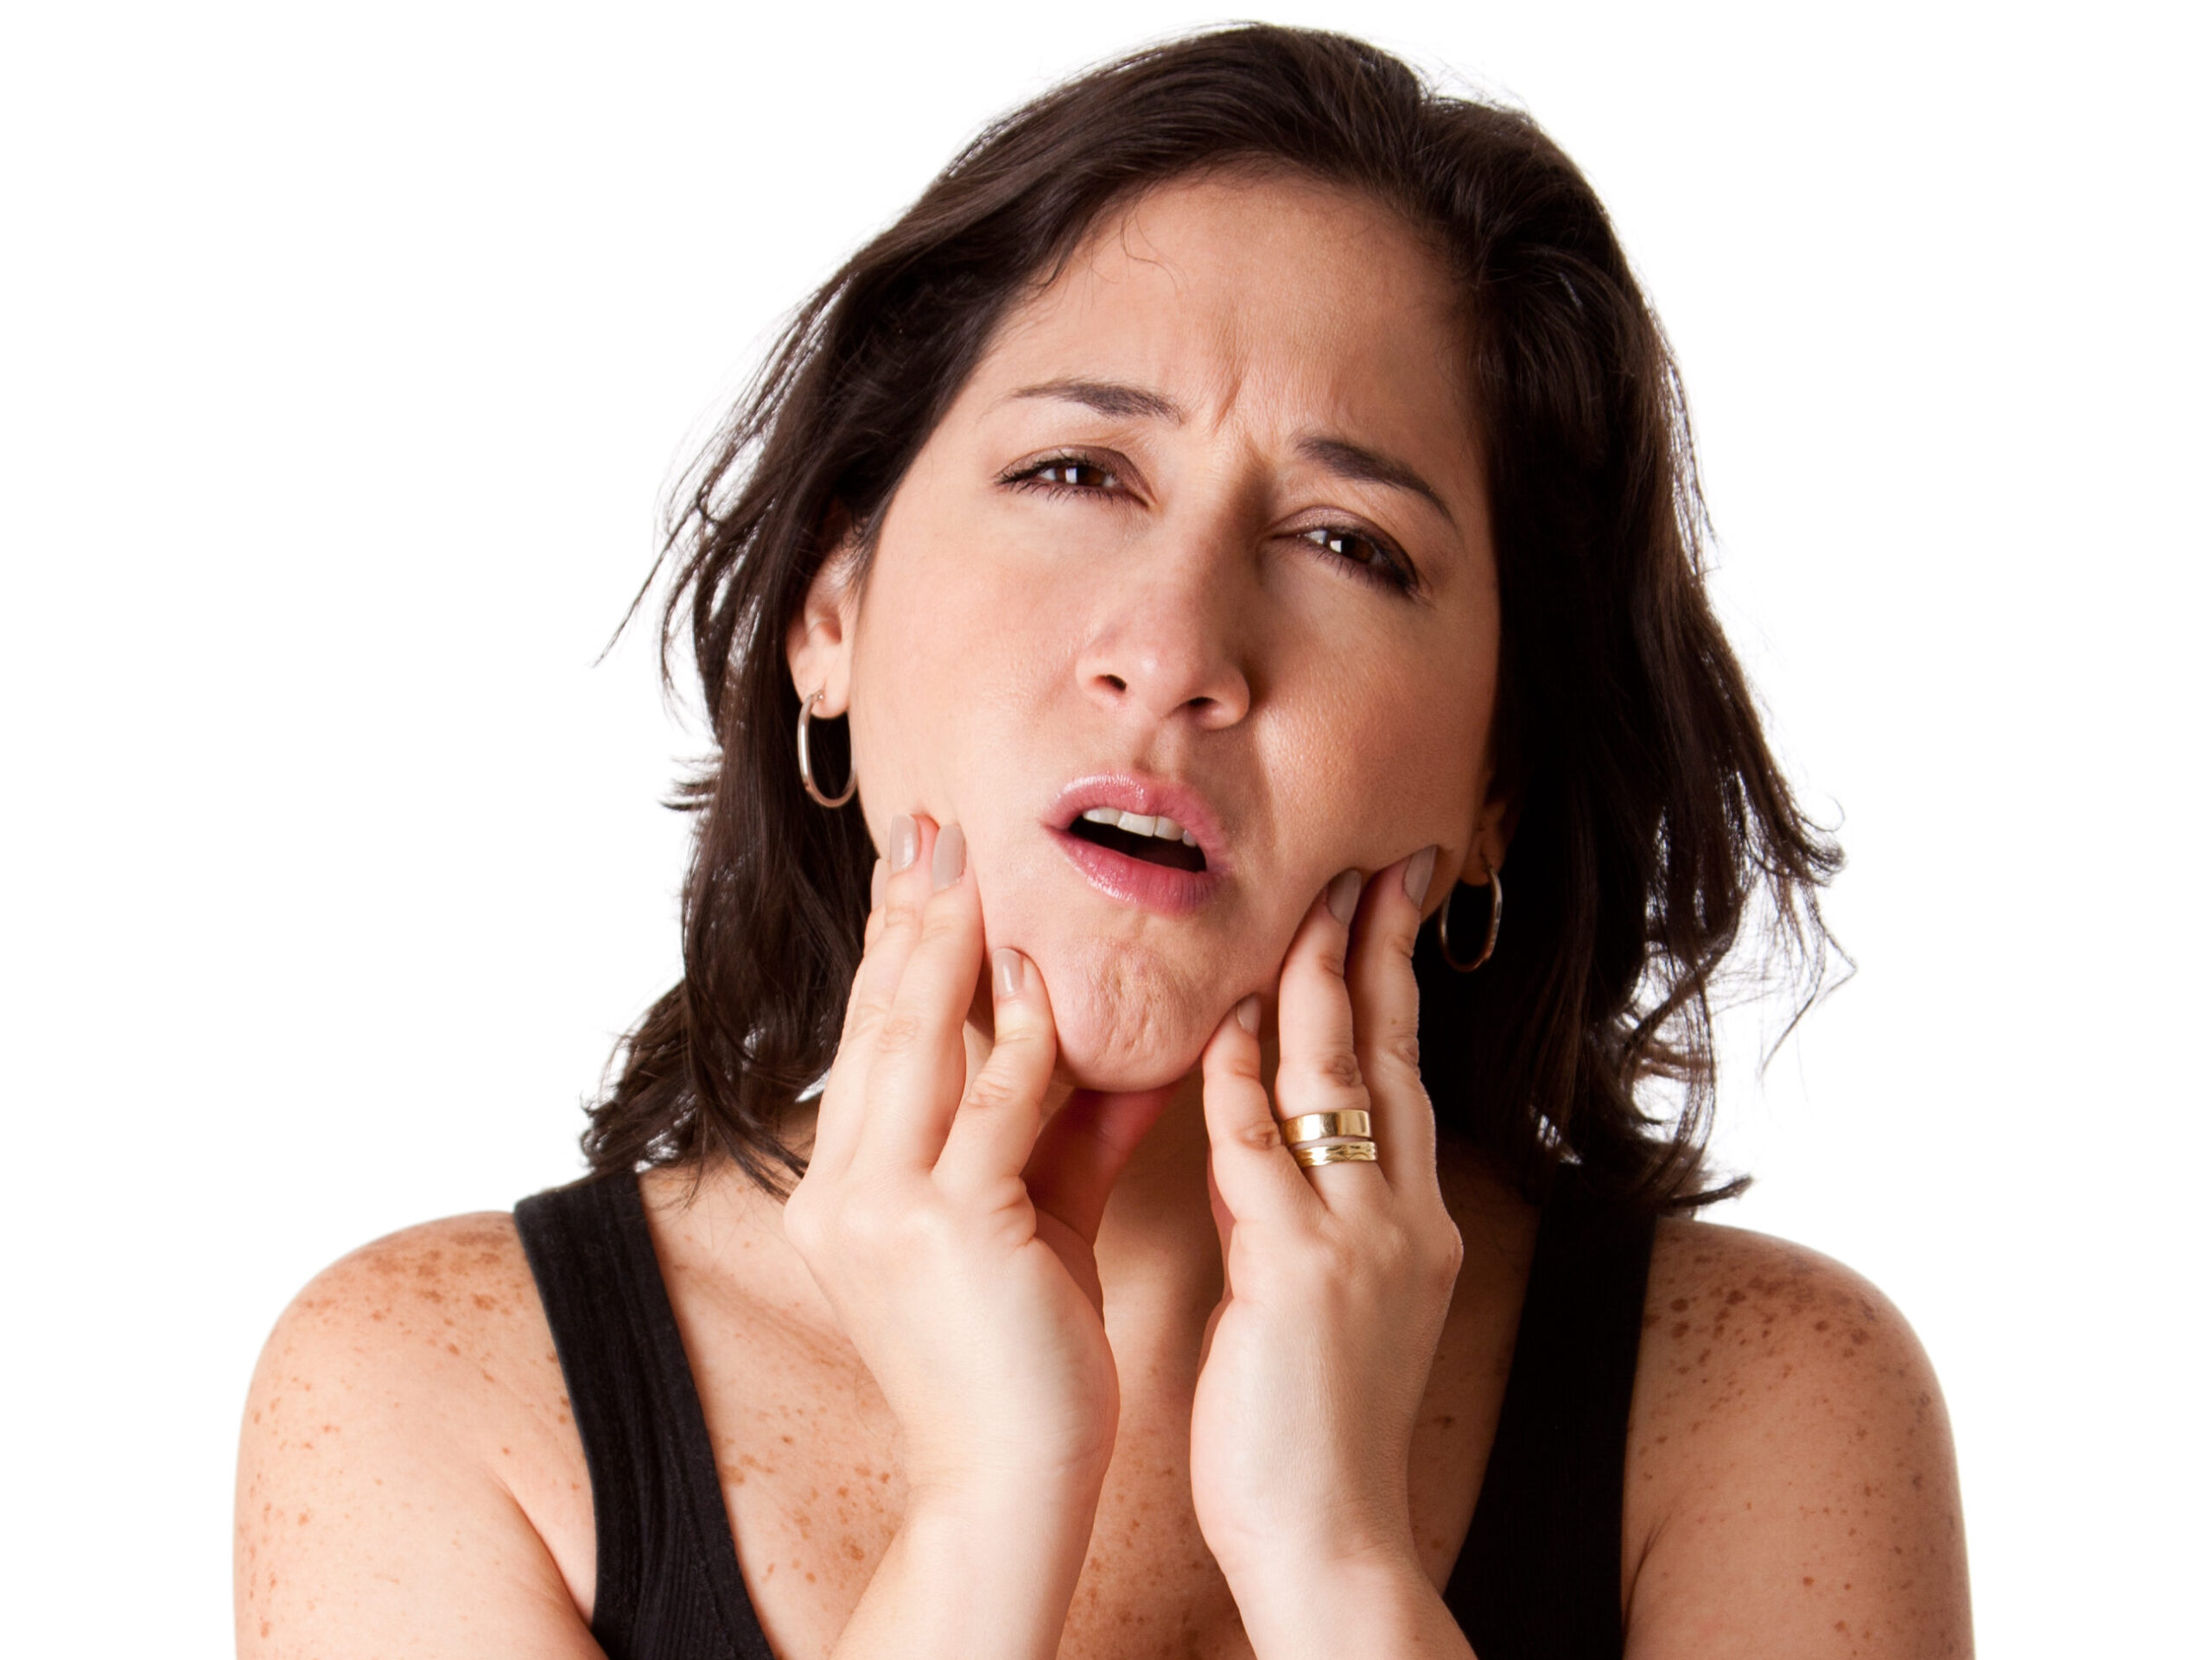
1386 1019
899 888
1083 1152
995 1129
1252 1171
920 1062
894 923
1318 1070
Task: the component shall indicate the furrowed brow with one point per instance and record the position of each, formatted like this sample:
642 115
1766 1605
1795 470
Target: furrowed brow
1350 460
1111 398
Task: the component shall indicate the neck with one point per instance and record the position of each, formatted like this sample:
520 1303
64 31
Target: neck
1158 1235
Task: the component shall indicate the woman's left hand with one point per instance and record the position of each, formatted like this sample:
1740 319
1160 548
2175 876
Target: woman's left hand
1337 1279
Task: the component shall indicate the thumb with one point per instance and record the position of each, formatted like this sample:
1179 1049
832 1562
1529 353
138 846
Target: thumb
1081 1153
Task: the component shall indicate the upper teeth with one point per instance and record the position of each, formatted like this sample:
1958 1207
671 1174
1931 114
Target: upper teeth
1137 824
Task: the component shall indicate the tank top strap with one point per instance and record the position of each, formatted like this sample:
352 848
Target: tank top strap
1540 1574
668 1585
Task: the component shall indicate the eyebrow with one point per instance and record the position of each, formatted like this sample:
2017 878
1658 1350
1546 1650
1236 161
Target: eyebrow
1338 456
1350 460
1111 398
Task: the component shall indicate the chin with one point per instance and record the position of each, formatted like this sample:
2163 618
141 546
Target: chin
1127 1021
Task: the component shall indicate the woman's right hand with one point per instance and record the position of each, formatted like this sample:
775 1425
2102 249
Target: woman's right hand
954 1243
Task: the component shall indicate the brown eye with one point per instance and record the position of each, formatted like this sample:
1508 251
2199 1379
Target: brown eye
1073 472
1369 557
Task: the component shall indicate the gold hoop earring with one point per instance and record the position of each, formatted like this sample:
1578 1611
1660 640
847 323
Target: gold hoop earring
1489 936
806 761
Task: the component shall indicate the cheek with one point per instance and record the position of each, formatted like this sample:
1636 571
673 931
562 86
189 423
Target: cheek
1387 757
946 645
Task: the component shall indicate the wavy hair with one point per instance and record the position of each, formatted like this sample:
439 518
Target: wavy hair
1656 827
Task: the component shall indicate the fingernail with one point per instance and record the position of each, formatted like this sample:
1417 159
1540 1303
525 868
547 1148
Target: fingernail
1419 870
1007 972
950 859
905 842
1248 1014
1343 895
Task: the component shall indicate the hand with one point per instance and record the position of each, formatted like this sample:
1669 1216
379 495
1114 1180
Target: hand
954 1243
1337 1279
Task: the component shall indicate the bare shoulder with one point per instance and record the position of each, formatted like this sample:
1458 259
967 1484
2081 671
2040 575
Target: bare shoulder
409 1476
1791 1485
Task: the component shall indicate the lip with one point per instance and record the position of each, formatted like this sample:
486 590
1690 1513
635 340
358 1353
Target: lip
1135 882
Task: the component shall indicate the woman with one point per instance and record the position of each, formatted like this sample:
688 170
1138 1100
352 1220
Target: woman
1117 1176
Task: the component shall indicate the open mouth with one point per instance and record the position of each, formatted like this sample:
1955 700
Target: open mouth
1158 841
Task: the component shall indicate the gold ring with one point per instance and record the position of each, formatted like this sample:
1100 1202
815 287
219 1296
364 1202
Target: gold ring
1335 1153
1312 1126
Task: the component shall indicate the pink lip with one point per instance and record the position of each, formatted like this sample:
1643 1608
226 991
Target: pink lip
1134 881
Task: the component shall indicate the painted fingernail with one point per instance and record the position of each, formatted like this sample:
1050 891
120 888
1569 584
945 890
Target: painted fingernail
1248 1014
905 842
950 859
1007 971
1419 870
1343 895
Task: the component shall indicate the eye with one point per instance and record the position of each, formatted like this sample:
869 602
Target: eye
1370 556
1064 473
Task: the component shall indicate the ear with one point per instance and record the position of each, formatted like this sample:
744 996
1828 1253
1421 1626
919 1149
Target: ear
1495 822
818 642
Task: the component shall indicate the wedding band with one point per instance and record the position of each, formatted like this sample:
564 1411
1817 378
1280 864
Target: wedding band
1361 1151
1312 1126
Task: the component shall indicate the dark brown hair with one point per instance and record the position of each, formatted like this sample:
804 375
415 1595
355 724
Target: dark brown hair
1655 823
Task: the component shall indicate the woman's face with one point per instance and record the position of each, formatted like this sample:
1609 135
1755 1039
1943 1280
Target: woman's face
1203 536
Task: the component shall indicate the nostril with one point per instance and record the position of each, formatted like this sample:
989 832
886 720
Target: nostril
1116 681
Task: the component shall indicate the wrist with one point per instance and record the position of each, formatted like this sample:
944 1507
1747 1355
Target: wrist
1377 1601
977 1571
984 1502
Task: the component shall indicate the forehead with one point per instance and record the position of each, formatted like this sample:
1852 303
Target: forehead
1265 296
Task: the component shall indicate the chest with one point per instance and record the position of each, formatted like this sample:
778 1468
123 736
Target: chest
806 1454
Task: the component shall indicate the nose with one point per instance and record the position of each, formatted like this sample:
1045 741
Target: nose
1166 647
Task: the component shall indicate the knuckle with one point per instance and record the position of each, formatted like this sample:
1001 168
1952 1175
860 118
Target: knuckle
1261 1135
939 923
803 1216
1392 1041
1401 1045
991 1093
1447 1253
1338 1070
900 922
862 1015
898 1034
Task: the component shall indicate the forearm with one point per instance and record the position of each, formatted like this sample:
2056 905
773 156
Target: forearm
976 1575
1340 1611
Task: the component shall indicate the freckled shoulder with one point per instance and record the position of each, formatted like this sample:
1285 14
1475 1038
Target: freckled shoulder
1791 1481
410 1480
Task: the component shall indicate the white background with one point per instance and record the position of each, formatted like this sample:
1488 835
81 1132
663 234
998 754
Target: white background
344 355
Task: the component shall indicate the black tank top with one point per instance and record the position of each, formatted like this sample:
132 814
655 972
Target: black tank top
1538 1579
